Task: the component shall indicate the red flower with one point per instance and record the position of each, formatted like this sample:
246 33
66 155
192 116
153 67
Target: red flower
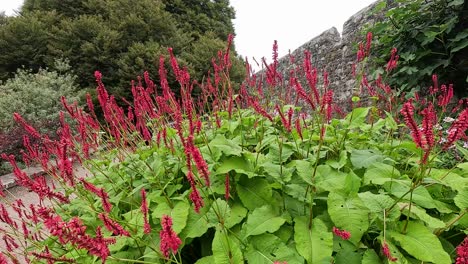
113 226
144 209
342 233
226 187
386 252
458 128
169 239
407 112
462 252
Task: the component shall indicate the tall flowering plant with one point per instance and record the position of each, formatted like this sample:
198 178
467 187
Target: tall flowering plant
270 172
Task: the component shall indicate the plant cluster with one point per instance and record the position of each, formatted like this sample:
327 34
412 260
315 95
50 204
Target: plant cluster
431 37
247 176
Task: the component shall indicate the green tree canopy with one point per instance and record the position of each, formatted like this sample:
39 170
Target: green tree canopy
120 38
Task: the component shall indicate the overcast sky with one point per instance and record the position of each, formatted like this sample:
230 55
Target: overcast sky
259 22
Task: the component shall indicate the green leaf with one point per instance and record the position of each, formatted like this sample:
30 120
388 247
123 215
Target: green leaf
420 243
238 213
268 248
459 45
225 249
348 213
197 223
254 192
178 213
449 178
348 256
370 257
357 117
280 173
316 244
461 199
226 146
237 164
277 155
380 173
206 260
420 195
329 179
377 203
456 2
303 169
364 158
260 221
420 213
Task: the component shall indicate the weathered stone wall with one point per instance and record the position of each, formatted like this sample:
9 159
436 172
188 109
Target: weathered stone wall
335 53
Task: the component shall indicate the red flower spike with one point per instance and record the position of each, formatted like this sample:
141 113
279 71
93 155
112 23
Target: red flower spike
407 111
31 130
169 239
226 187
196 199
144 210
113 226
386 252
462 252
345 235
457 129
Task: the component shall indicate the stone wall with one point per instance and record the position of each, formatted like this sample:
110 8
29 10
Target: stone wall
335 53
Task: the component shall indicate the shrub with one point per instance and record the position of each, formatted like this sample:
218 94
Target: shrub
247 179
431 37
36 96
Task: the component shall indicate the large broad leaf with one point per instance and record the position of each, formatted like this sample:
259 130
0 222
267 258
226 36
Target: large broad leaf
226 250
420 213
279 154
179 213
380 173
364 158
303 168
349 213
377 203
268 248
357 117
260 221
420 195
461 199
206 260
370 257
227 146
329 179
449 178
254 192
237 164
238 213
197 224
420 243
280 173
348 256
315 244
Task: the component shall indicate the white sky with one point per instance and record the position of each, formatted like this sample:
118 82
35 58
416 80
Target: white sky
259 22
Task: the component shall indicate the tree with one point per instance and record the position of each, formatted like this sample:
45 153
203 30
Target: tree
120 38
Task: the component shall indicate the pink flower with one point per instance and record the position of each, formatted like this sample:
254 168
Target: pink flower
144 210
342 233
462 252
407 111
169 239
113 226
386 252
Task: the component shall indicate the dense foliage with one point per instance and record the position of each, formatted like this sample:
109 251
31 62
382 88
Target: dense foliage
121 38
431 37
271 174
35 96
